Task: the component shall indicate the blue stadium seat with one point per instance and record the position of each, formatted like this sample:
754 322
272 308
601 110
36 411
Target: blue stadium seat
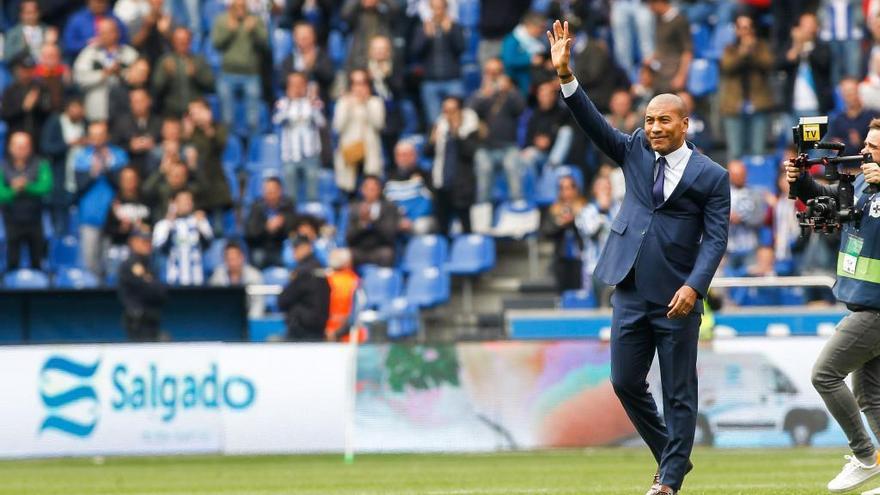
282 46
25 278
265 154
427 287
402 318
425 251
578 299
722 36
792 296
337 47
516 219
275 275
380 286
4 129
327 188
701 36
472 77
762 171
210 10
233 155
213 256
64 252
471 254
547 184
342 225
469 13
75 278
5 77
317 209
702 77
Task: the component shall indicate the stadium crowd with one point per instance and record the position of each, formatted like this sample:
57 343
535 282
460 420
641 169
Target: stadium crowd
253 136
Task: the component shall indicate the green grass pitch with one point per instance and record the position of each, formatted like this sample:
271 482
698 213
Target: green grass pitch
600 471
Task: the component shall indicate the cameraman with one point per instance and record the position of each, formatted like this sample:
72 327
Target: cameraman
855 346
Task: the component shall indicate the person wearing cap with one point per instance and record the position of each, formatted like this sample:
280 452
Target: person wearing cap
305 301
25 103
141 292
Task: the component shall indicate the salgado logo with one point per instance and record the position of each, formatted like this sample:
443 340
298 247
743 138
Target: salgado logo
70 394
66 389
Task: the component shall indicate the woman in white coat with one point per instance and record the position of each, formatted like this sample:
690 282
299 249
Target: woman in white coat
359 118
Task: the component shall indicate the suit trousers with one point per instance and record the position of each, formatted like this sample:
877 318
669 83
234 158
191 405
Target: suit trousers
640 328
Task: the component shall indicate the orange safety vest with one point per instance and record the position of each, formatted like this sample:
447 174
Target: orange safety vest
343 284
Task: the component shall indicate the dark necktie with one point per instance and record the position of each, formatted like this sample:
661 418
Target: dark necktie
657 190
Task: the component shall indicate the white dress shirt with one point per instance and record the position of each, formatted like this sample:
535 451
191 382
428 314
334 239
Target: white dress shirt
675 161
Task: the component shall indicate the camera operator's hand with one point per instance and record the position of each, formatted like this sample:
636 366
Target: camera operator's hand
872 173
791 172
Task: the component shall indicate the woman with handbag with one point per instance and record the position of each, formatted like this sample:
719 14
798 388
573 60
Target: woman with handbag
358 118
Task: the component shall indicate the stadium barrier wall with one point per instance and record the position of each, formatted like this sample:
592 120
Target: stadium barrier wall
475 397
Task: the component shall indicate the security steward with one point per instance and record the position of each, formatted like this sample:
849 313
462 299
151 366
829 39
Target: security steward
855 346
306 299
141 292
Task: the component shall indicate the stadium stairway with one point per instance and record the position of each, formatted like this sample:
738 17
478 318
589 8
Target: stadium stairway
510 284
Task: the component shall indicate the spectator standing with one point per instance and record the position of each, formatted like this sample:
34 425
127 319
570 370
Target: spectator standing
746 99
438 44
26 103
366 20
621 114
386 76
160 188
309 59
95 167
747 210
54 74
597 71
270 220
137 132
505 15
302 121
344 283
523 49
372 226
851 125
83 27
499 106
140 290
127 213
673 47
149 31
243 40
843 29
305 301
25 183
594 226
408 188
631 19
235 271
62 135
29 35
453 143
698 131
807 62
869 89
559 226
183 235
138 77
783 219
102 66
549 131
181 76
358 118
208 139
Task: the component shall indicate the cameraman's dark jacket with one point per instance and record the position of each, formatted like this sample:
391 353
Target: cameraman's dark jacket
858 275
306 301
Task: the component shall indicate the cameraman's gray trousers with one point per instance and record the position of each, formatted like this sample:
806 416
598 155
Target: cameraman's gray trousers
854 348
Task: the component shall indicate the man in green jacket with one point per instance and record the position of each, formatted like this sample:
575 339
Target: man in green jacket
26 180
243 40
181 76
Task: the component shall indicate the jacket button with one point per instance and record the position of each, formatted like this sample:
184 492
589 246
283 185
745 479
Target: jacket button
644 232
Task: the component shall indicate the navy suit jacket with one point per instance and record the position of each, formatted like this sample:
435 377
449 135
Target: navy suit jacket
681 242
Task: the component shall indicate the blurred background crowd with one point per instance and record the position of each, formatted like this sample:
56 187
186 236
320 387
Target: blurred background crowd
256 137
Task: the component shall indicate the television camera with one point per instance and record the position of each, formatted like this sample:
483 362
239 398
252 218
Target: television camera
826 214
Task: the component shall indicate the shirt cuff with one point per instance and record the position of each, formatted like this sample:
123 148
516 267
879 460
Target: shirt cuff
569 88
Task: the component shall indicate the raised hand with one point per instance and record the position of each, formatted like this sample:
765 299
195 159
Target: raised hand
560 47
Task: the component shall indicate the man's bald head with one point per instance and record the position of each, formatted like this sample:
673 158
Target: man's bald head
666 123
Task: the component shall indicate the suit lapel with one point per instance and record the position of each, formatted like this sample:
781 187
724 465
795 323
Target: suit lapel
691 172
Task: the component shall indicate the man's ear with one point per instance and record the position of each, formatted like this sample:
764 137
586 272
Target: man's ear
685 121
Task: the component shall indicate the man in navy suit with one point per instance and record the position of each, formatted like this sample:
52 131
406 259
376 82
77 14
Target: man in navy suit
663 250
